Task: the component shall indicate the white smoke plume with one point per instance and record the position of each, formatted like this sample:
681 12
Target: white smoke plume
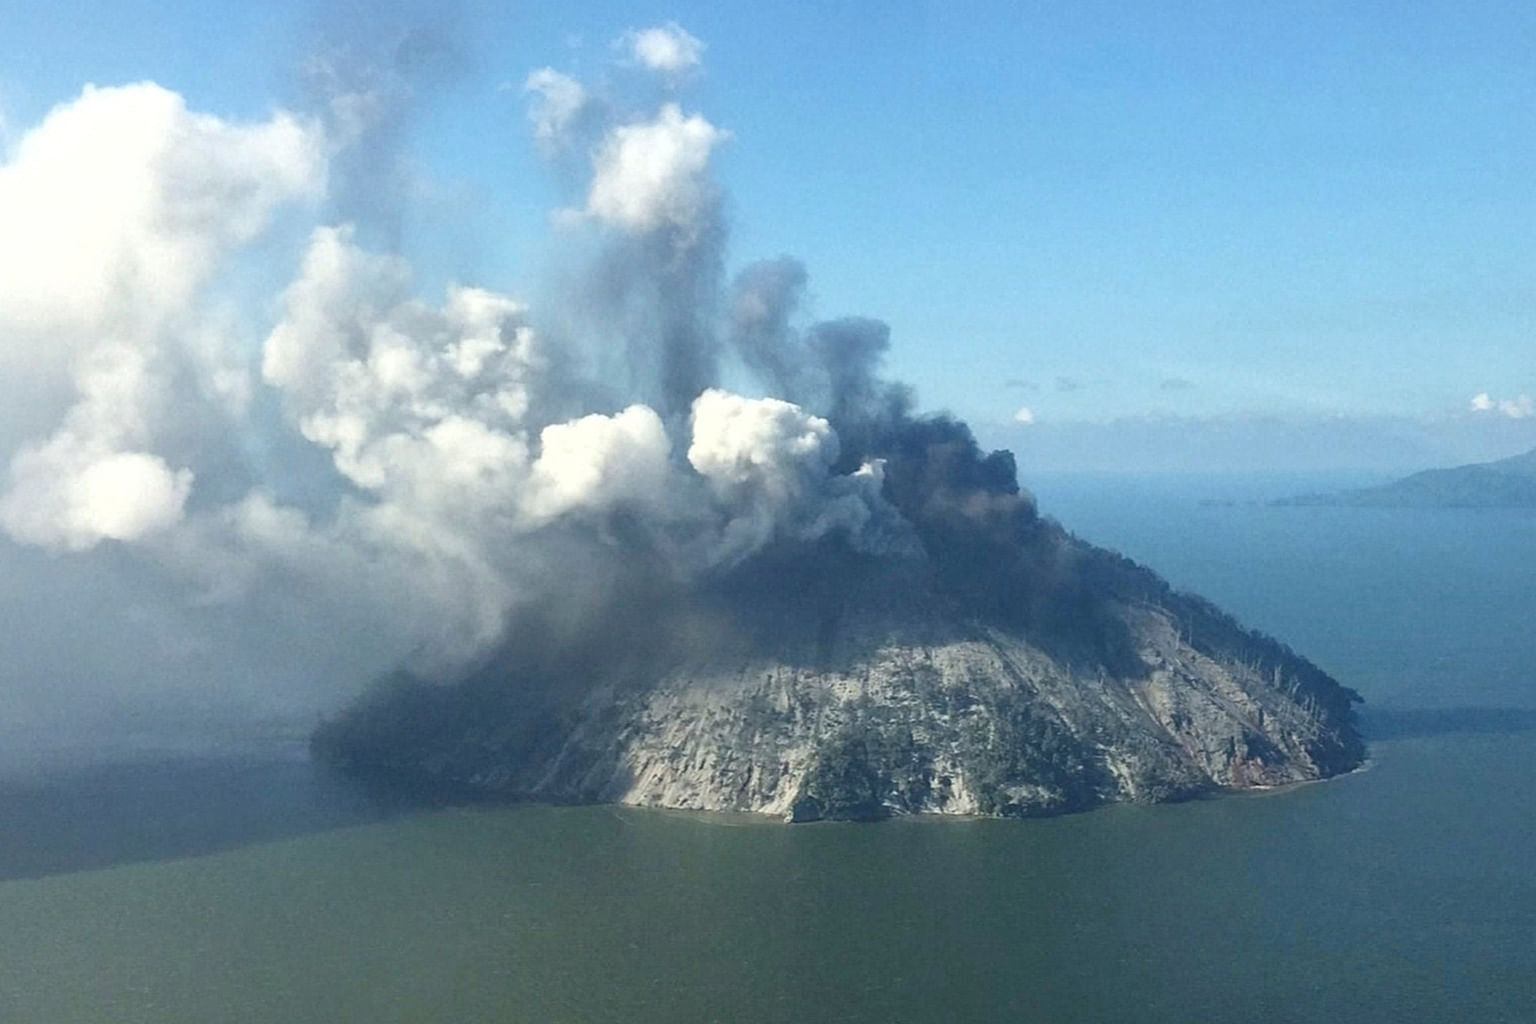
651 174
557 101
119 209
91 481
351 452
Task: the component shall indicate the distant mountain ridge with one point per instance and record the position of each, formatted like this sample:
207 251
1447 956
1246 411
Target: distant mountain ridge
1505 483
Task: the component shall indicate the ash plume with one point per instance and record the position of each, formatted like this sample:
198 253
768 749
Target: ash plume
765 298
447 479
371 79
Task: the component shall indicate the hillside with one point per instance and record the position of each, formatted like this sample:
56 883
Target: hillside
853 687
1506 483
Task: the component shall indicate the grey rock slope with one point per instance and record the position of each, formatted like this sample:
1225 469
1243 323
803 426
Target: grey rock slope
841 686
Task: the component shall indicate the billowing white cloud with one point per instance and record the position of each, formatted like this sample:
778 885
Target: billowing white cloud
761 444
1518 408
557 101
667 49
652 173
117 209
1025 416
90 481
432 413
448 423
72 497
769 463
414 403
348 452
122 202
599 463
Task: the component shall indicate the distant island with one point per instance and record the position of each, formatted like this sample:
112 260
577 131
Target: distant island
1506 483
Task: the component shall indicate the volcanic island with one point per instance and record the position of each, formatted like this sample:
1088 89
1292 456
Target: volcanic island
981 661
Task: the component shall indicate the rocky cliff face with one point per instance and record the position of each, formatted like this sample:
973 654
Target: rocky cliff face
861 688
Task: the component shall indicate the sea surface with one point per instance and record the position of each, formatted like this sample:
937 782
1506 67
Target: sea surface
257 888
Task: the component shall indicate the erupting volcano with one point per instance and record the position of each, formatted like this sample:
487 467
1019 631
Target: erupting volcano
986 662
660 537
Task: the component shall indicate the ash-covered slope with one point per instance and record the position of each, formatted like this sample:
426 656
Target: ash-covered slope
998 666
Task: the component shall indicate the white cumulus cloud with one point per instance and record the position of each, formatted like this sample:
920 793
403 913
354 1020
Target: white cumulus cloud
598 463
1519 407
71 497
417 404
769 464
117 210
122 202
652 173
1024 416
91 481
760 443
667 49
557 101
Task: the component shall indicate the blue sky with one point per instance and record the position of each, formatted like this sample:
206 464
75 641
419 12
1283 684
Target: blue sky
1102 212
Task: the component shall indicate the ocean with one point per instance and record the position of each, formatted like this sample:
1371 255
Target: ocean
257 888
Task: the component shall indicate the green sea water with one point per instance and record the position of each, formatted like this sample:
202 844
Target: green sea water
1405 892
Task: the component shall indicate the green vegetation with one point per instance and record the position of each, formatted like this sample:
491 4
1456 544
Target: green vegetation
1016 749
873 766
1017 762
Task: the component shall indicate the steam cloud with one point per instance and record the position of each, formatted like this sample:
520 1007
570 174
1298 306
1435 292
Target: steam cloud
429 468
